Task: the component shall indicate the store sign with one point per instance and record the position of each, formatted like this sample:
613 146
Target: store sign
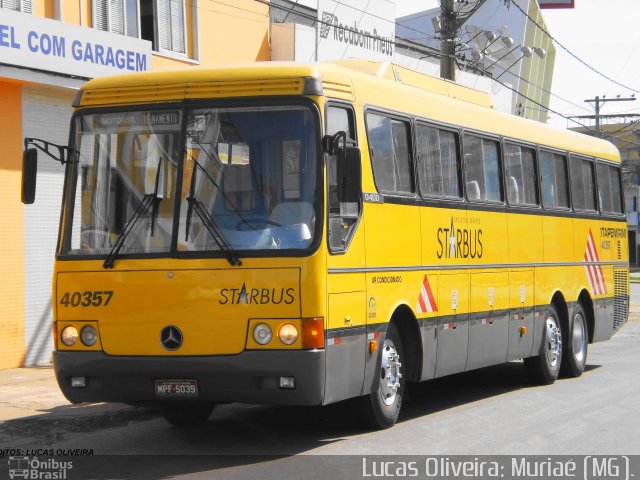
50 45
360 29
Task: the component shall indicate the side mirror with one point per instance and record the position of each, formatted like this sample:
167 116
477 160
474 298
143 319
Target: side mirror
29 173
349 173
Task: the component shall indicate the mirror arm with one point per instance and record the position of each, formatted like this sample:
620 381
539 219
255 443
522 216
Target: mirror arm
44 146
331 143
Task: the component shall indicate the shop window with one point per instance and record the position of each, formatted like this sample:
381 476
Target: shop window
116 16
163 23
108 15
17 5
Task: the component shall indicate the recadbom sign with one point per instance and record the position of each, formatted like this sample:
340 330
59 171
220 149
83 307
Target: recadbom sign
50 45
361 29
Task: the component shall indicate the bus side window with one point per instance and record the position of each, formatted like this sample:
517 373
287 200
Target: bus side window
437 162
482 169
555 188
583 184
521 175
390 150
343 216
609 189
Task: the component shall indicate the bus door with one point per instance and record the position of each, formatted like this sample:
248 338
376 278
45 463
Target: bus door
346 318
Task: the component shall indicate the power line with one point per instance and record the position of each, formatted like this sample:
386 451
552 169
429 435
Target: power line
395 24
406 43
514 2
559 114
420 47
544 90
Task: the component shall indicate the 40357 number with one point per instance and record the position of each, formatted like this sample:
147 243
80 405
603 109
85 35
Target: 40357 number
86 299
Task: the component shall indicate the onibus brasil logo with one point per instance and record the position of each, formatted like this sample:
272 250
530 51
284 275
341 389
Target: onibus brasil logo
36 469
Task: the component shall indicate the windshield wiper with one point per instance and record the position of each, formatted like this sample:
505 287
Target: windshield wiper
196 206
147 201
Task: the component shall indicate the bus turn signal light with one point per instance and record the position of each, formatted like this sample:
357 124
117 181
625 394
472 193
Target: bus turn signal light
313 333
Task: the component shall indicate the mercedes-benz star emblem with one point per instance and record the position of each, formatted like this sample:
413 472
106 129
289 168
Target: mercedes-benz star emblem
171 337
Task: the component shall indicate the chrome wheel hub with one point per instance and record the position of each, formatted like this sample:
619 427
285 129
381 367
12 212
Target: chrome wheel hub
553 341
578 338
390 372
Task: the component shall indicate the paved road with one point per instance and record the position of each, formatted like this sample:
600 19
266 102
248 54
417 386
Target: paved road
490 411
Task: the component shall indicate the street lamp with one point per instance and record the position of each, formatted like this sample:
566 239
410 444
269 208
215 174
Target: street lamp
526 53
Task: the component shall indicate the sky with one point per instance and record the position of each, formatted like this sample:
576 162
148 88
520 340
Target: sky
604 34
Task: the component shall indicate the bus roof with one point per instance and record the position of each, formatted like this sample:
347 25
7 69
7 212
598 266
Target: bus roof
358 81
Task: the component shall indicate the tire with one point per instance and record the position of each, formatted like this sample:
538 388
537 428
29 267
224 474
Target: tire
381 408
574 349
187 414
544 368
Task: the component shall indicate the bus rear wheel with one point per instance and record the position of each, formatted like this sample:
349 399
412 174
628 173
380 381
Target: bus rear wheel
187 414
381 408
544 368
574 351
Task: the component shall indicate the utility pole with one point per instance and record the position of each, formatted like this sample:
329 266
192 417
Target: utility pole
450 23
601 101
448 32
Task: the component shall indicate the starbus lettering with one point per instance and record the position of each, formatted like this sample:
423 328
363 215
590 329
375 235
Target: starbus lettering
256 296
459 242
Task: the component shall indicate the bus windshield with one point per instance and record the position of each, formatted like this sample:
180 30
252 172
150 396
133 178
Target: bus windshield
245 180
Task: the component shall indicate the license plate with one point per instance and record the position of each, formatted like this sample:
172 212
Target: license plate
176 388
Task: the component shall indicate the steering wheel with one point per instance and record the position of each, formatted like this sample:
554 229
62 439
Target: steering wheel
246 224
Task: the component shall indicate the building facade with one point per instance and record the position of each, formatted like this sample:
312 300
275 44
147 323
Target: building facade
498 41
48 48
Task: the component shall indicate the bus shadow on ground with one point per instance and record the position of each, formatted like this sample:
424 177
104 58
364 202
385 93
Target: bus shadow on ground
251 430
244 441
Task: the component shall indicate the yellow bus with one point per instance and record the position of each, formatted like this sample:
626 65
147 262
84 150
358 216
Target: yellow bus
305 234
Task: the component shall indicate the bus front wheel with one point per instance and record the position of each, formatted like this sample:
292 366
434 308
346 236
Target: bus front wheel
187 414
574 351
381 408
544 368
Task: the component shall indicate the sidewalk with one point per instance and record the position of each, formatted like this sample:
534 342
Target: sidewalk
33 392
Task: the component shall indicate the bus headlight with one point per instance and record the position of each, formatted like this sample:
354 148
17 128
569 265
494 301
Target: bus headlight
89 336
288 334
69 336
262 333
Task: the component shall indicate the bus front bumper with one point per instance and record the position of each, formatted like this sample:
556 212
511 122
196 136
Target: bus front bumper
249 377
